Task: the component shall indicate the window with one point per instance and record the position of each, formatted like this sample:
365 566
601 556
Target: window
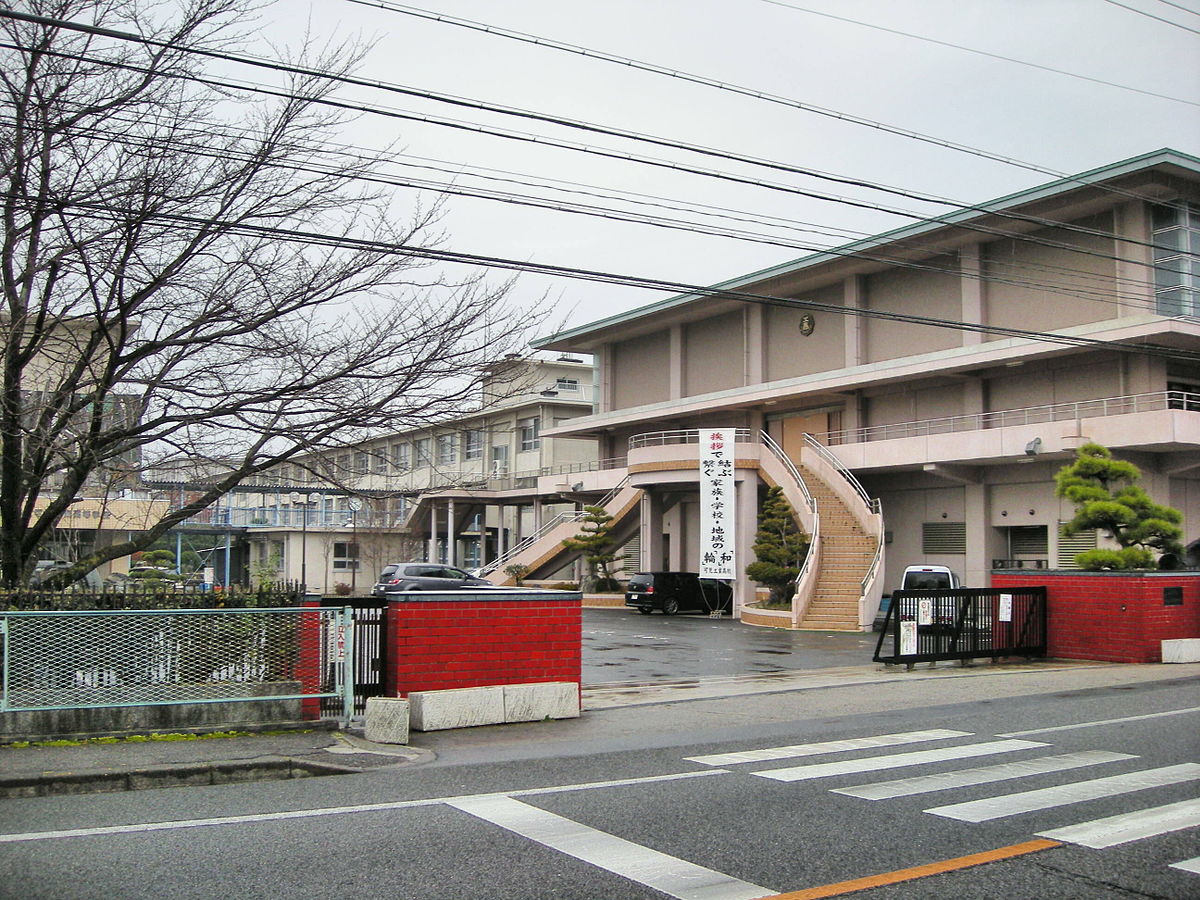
423 457
1176 267
473 444
570 385
446 451
528 430
379 460
345 556
362 462
401 458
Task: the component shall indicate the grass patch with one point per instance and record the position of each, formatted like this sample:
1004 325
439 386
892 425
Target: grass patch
145 738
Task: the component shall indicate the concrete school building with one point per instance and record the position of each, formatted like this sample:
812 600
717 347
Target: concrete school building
915 392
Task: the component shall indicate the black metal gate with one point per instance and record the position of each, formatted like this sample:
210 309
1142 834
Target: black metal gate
370 651
929 626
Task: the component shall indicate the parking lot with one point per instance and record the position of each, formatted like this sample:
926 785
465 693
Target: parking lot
621 646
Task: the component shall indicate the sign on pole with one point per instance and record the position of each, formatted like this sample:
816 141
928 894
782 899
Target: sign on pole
717 558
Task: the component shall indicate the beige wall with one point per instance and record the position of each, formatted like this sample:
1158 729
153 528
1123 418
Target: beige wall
916 292
641 369
791 354
1027 303
714 356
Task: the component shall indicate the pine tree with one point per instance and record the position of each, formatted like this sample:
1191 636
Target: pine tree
595 542
779 547
1106 497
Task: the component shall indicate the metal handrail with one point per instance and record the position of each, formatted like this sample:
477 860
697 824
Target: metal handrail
872 503
561 519
822 451
685 436
1051 412
771 445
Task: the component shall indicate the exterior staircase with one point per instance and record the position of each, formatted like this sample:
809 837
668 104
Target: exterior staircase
847 555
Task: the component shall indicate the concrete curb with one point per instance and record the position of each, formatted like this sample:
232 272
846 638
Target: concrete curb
91 781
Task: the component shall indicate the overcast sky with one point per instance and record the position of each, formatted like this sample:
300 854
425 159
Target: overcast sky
1053 121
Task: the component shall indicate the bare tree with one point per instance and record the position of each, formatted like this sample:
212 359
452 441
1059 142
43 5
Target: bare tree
192 279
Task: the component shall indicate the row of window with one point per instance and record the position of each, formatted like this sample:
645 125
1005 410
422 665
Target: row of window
440 450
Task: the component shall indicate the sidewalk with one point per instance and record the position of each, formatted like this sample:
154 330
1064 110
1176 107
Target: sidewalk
614 716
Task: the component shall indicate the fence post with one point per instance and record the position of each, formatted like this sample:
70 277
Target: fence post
7 657
348 664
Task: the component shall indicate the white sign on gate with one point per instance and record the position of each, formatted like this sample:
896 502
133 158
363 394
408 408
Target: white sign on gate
925 612
908 638
717 558
1005 608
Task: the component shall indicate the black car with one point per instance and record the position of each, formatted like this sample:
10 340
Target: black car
674 592
423 576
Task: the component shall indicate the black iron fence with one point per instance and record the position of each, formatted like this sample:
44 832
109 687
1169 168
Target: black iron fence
930 626
370 651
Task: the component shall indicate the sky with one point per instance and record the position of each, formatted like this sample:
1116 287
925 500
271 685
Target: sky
1054 123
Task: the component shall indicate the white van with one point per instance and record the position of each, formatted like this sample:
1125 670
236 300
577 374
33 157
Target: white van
929 578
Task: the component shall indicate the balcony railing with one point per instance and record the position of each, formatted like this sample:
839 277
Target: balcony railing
688 436
1054 412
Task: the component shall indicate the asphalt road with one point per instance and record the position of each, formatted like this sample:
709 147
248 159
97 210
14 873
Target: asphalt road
645 802
623 646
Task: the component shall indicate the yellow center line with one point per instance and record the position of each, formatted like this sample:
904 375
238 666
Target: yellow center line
946 865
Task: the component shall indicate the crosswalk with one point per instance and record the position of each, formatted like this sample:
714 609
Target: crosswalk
862 756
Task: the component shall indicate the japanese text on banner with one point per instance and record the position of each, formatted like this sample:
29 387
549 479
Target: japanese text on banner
716 503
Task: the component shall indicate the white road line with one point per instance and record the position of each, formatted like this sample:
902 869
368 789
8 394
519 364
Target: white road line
1188 865
337 810
673 876
924 784
895 761
795 750
1029 801
1113 830
1157 715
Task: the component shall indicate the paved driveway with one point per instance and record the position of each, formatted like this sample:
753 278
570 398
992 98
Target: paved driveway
621 645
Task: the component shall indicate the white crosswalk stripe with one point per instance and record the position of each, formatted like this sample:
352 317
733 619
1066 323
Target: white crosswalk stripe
1188 865
1134 826
1029 801
797 750
924 784
895 761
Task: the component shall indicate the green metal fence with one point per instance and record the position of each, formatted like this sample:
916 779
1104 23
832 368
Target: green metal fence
150 657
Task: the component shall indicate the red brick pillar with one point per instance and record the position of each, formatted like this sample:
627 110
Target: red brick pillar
440 640
1114 616
308 665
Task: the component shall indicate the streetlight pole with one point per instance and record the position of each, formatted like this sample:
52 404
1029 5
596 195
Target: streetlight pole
303 499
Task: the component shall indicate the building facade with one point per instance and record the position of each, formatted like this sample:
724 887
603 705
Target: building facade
944 371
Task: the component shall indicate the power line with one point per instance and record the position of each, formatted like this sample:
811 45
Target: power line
1150 15
569 123
953 46
1180 6
302 237
1101 293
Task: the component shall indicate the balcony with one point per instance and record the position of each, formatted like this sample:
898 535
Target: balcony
1162 421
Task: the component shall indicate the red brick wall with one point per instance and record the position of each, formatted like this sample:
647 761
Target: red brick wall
438 644
1112 617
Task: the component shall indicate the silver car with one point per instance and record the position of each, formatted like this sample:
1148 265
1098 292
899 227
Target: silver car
423 576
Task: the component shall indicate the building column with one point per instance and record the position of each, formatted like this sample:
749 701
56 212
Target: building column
971 282
451 555
651 531
537 515
745 527
676 363
431 550
755 350
977 508
1135 264
855 297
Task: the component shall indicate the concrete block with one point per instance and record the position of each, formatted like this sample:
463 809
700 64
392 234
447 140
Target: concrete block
456 708
1182 650
387 720
534 702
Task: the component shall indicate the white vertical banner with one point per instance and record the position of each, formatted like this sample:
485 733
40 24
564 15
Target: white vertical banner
716 503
